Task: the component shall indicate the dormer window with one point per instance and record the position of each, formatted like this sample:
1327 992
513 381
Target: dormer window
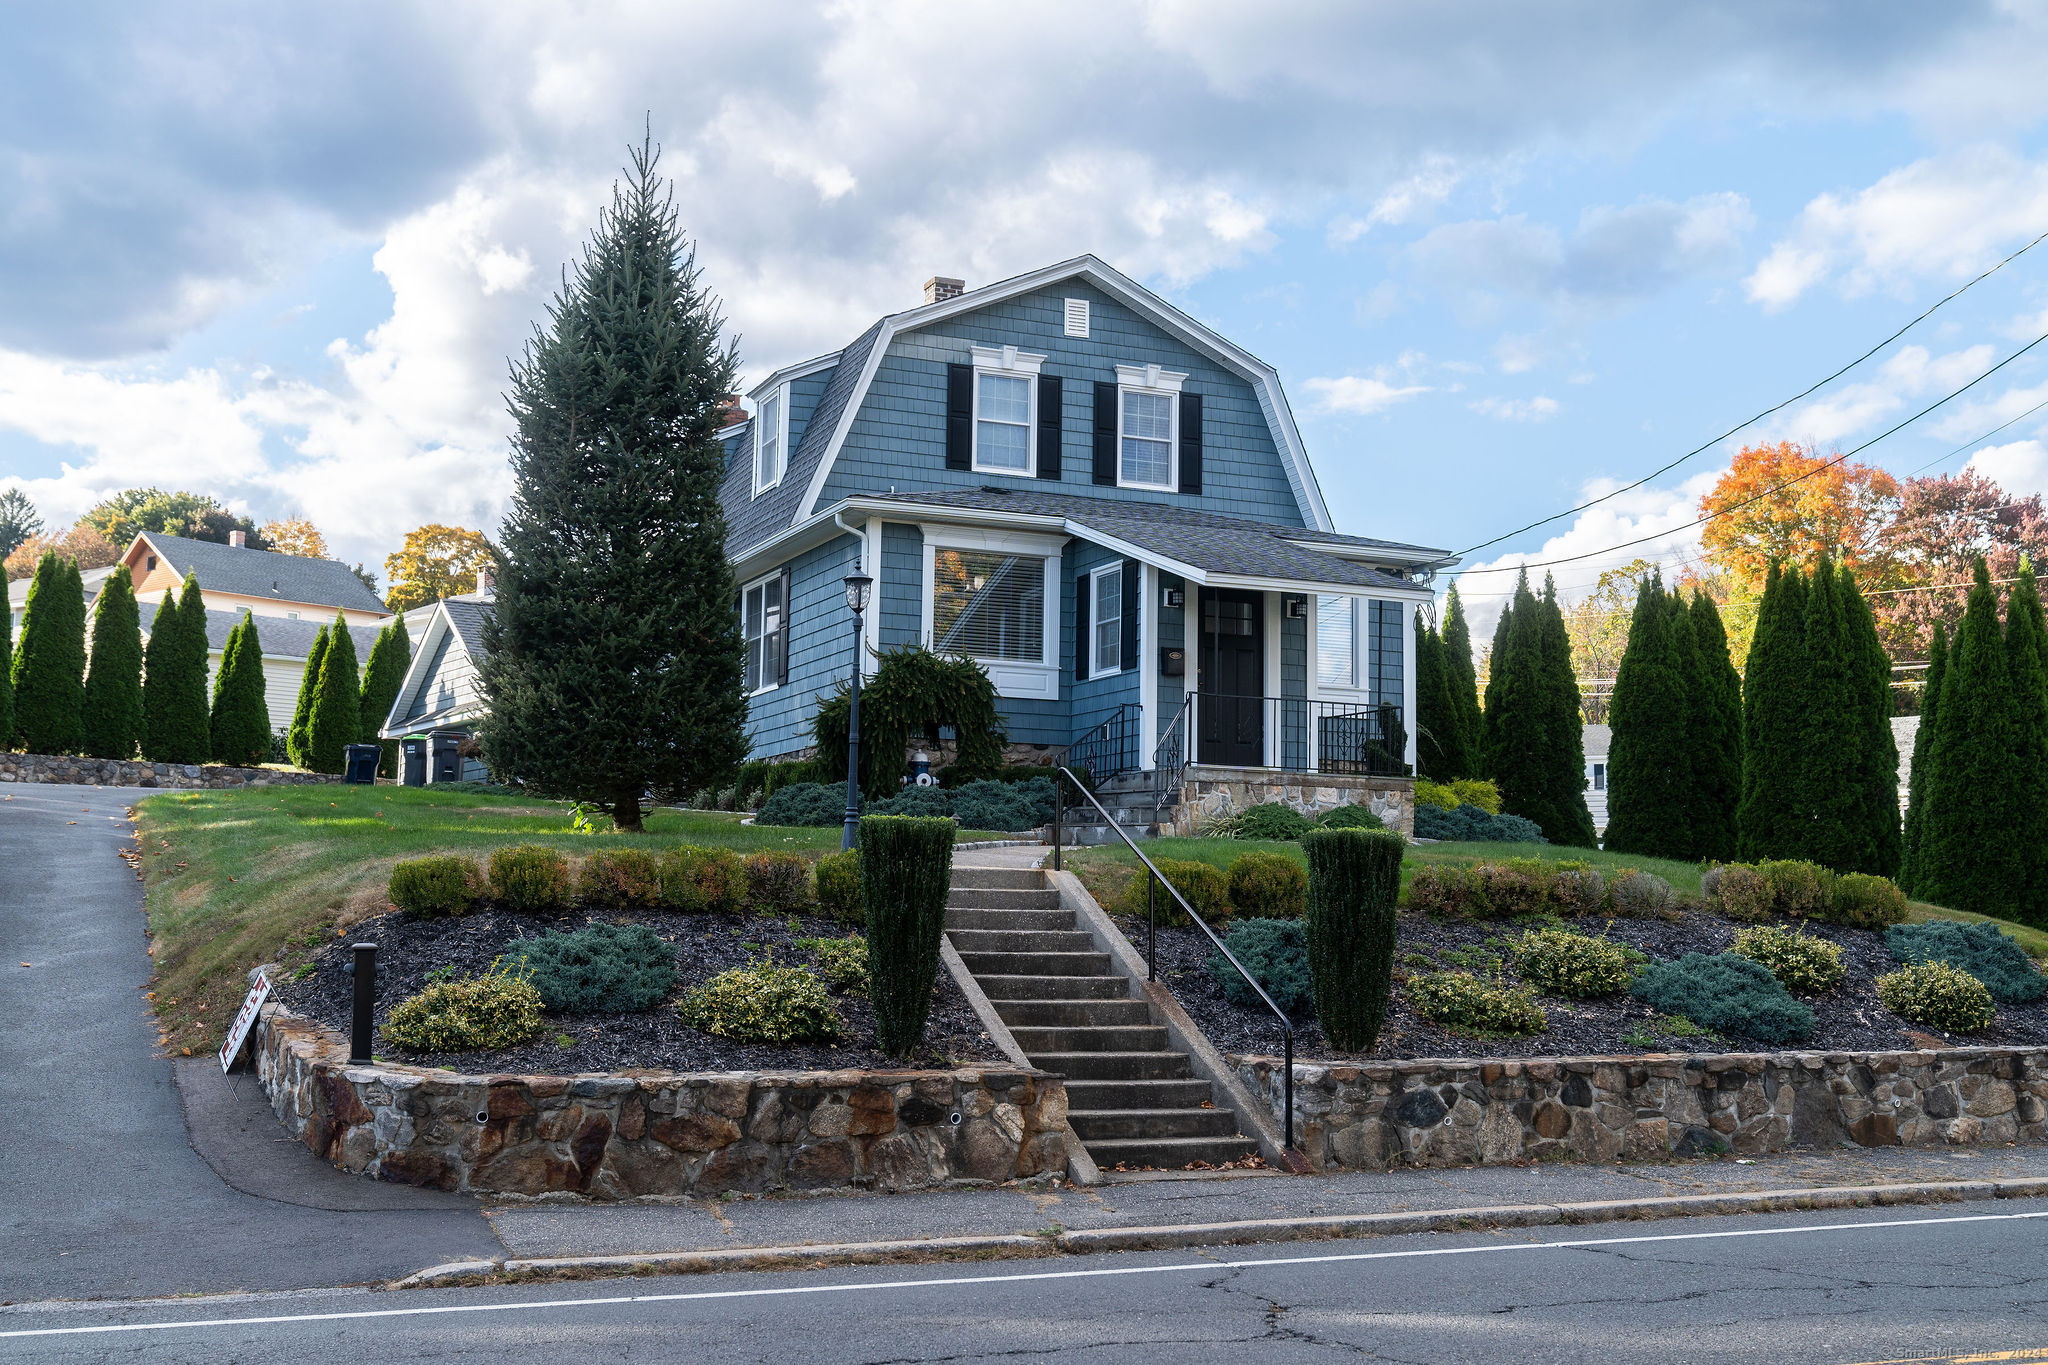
771 440
1148 427
1005 404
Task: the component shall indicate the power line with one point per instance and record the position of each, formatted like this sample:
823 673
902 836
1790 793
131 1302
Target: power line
1573 511
1985 437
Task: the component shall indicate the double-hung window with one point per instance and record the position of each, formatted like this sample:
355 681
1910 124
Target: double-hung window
1148 427
771 438
764 624
1005 411
1107 616
988 604
1336 641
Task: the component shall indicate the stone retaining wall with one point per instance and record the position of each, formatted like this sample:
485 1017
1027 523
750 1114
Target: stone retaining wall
113 772
1209 792
658 1132
1457 1113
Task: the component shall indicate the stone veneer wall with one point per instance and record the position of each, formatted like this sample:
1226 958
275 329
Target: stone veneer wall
1456 1113
658 1132
113 772
1210 792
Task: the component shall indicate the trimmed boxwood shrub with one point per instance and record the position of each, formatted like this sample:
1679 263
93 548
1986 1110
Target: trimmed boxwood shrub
1863 901
620 879
1267 886
1982 949
1271 820
1805 965
838 884
1577 966
428 888
1205 886
1727 994
1350 817
498 1009
703 881
906 872
602 969
764 1003
1354 878
1461 1000
1004 805
1737 891
816 804
778 883
1275 952
1469 824
530 878
1938 995
1798 890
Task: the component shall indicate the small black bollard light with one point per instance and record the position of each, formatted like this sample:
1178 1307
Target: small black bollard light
364 970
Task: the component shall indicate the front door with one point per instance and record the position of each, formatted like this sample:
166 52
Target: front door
1230 666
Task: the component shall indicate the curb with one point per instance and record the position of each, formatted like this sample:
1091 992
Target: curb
1245 1232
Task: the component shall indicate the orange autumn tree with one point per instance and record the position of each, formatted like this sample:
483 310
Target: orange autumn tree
1841 511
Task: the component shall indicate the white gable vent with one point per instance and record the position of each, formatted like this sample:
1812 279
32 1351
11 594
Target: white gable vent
1077 317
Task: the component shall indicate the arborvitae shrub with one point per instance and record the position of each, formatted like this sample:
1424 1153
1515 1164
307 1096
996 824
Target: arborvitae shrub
1864 901
602 969
818 805
498 1009
1275 952
1354 879
1577 966
1982 949
1737 891
620 879
1803 964
1726 994
764 1003
1205 886
530 878
1937 995
906 872
1350 817
1268 886
113 687
838 884
706 881
428 888
778 883
1461 1000
1637 894
49 663
1799 890
1272 820
302 709
337 715
241 714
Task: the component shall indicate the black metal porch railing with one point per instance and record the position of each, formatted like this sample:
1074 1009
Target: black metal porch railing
1296 734
1111 747
1170 757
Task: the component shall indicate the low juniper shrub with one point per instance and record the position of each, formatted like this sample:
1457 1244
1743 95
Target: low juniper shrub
498 1009
1723 993
1805 965
1267 886
1938 995
1275 952
1004 805
1470 824
1982 949
602 969
620 879
530 879
923 802
1350 817
1272 820
430 888
815 804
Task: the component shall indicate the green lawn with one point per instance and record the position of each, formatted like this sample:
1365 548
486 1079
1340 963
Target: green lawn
237 878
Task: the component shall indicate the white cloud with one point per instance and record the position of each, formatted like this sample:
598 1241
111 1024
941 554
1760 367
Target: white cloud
2019 468
1909 373
1360 395
1537 409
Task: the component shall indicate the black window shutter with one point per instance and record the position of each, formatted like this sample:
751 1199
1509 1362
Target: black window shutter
1105 434
1050 393
1131 609
782 636
1191 443
959 416
1084 588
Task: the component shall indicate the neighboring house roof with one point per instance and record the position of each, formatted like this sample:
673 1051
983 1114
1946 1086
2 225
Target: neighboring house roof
264 573
468 614
90 579
1597 739
280 636
457 623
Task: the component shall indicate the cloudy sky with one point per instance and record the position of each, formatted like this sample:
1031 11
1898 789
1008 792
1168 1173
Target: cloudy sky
1504 255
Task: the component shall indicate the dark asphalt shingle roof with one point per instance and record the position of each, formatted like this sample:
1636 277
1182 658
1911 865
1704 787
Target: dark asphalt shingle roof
280 636
468 614
265 573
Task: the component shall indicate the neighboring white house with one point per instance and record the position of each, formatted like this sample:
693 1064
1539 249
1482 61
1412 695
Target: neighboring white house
1596 739
442 698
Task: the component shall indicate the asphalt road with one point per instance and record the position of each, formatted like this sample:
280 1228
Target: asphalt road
1874 1285
101 1193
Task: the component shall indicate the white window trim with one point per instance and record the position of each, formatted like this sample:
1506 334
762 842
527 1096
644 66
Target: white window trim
780 397
1149 379
1095 668
1006 362
1015 678
762 582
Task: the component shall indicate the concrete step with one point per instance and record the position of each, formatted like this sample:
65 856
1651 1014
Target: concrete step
1107 1125
1169 1153
1092 836
1090 1038
999 987
1096 1094
1009 919
1037 964
1002 898
1112 1066
999 878
1021 940
1073 1013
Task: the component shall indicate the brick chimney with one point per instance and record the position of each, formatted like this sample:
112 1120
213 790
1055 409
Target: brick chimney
485 583
939 288
239 539
730 413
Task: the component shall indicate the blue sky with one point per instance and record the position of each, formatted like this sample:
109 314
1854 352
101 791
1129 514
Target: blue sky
1500 253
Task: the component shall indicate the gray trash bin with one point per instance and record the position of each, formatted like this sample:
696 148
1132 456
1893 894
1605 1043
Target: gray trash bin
447 758
359 764
412 760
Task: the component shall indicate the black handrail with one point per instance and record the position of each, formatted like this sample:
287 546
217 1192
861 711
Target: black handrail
1170 756
1158 879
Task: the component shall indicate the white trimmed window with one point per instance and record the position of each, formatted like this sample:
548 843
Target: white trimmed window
1005 411
1336 641
771 440
988 604
1148 427
1106 617
764 625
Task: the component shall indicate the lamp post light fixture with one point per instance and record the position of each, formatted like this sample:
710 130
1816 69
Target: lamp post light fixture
858 585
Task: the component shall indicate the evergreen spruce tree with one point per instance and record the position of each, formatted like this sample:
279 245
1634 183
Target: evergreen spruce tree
615 656
1830 831
113 682
1970 854
1715 736
337 702
241 710
1439 733
48 669
1649 777
1461 677
302 710
1767 823
176 725
2026 657
1923 762
1876 777
390 657
1564 728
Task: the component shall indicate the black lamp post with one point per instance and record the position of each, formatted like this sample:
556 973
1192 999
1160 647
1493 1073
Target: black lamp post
857 586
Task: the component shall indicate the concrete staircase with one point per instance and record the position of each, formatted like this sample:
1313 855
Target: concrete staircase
1131 1099
1129 801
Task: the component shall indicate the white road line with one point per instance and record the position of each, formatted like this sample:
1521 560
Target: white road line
1178 1268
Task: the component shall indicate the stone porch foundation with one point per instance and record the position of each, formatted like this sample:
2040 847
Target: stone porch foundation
1209 792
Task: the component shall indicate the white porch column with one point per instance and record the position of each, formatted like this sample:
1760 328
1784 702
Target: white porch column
1270 716
1148 665
871 624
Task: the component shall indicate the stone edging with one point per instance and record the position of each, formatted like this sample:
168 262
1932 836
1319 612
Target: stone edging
1446 1112
658 1133
114 772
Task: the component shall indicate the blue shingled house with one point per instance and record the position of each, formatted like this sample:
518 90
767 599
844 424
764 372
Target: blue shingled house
1108 505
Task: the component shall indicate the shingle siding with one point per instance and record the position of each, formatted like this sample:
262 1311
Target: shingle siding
1096 699
901 589
820 650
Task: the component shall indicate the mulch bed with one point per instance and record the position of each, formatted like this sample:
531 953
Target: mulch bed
1847 1019
656 1039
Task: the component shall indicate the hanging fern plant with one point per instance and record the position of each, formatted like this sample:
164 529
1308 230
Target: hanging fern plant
914 693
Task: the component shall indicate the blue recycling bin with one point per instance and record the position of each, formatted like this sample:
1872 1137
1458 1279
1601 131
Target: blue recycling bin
359 764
